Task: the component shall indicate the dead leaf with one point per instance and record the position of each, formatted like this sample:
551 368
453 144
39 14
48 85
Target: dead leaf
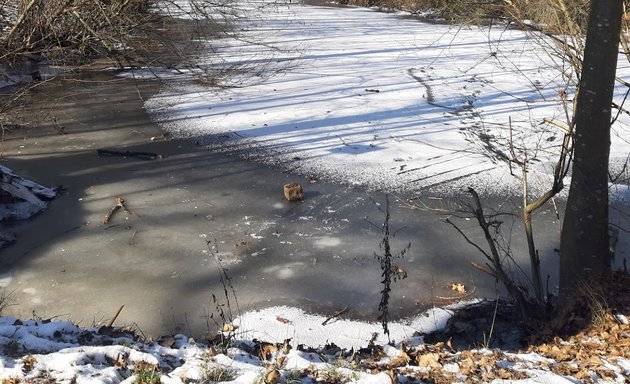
166 341
210 352
430 360
28 363
594 361
312 371
458 287
467 365
392 376
400 272
286 346
267 350
121 361
399 361
282 320
272 376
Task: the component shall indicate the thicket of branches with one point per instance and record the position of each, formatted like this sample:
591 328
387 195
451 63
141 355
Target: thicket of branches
545 13
76 31
565 23
69 30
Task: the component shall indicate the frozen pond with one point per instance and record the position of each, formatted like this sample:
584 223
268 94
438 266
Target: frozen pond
317 254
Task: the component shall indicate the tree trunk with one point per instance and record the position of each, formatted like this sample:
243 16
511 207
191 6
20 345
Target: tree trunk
584 240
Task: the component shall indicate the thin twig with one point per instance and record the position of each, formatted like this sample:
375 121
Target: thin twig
111 322
335 315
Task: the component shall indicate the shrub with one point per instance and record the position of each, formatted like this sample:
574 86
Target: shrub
550 13
77 31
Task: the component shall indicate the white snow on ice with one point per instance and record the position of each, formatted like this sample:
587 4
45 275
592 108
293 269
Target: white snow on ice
275 324
369 98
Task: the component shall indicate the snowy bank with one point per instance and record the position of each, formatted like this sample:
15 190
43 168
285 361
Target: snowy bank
61 352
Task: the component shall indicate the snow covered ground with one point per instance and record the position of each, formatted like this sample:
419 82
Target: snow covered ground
43 351
391 103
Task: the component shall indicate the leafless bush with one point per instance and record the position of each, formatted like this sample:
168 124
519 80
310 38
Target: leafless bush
560 25
460 11
552 14
5 300
76 31
70 30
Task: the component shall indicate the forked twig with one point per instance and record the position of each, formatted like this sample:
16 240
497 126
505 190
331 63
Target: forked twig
119 203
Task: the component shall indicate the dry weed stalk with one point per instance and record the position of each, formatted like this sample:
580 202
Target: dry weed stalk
497 257
390 273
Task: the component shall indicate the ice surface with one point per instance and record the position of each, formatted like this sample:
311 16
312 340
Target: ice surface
368 98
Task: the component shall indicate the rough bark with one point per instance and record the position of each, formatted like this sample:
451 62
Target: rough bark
584 240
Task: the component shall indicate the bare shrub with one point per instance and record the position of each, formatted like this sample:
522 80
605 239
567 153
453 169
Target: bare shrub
555 15
127 31
74 30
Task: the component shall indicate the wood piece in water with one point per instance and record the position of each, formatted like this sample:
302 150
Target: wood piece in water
119 203
134 154
293 192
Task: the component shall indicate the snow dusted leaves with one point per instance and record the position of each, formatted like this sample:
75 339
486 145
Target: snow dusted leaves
62 352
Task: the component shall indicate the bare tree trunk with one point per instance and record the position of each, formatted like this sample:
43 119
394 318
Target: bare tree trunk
584 240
